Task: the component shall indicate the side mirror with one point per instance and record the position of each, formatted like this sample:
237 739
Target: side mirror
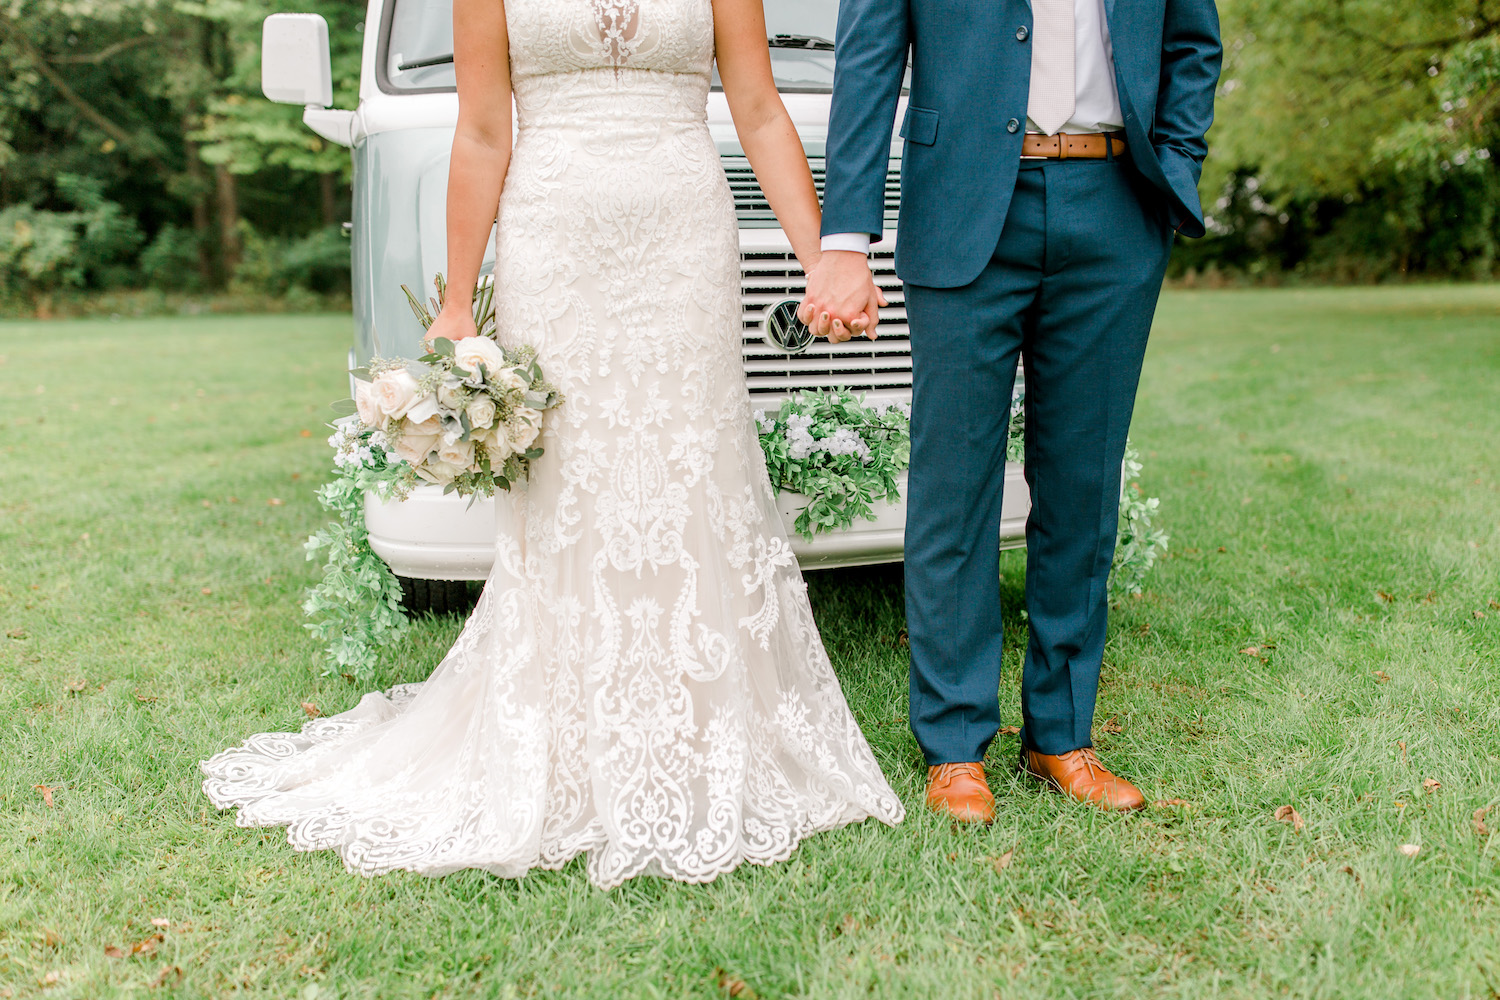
295 67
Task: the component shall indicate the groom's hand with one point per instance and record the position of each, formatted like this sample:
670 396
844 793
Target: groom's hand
842 299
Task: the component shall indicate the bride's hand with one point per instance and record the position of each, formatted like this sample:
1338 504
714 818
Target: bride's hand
455 323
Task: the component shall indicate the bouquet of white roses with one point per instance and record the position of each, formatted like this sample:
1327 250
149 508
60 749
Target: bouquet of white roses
465 416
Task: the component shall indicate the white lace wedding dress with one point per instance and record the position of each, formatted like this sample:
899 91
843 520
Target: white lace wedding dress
642 679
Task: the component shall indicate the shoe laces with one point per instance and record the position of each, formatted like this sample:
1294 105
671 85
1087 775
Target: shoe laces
1089 759
945 773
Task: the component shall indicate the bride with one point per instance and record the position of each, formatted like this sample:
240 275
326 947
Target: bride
641 679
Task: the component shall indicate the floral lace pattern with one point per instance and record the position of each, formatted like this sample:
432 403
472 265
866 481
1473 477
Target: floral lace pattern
642 679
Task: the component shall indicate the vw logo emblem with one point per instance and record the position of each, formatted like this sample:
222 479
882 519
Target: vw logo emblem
784 330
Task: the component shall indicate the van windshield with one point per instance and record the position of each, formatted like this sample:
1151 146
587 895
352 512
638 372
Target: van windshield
417 54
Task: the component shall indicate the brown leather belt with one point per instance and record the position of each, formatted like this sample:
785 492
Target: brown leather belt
1091 146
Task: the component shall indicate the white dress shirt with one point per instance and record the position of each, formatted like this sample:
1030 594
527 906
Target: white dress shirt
1097 102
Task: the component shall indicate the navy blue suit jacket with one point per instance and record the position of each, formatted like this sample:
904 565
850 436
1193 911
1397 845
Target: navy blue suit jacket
970 77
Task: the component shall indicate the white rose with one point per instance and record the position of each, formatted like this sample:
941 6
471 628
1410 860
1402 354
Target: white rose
364 404
471 352
459 454
495 443
394 392
418 440
439 472
451 395
513 380
423 409
524 425
481 412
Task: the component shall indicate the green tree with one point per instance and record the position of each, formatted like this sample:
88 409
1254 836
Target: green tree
159 100
1363 128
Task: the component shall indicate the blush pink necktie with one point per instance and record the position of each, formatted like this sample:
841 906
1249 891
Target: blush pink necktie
1053 88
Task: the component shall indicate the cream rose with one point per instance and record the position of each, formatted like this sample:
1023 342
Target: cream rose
422 410
495 443
439 472
513 380
471 352
394 392
418 440
451 395
524 425
481 412
460 454
364 405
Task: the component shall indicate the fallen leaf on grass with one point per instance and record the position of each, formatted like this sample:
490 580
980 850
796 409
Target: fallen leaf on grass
1010 730
1479 614
1387 598
77 685
275 502
148 945
1287 814
1400 804
311 709
1431 785
145 699
1251 651
113 951
1111 725
1495 605
1003 861
161 922
1171 804
1411 850
734 987
206 592
16 633
167 972
1402 745
46 791
304 432
1381 677
51 978
1480 830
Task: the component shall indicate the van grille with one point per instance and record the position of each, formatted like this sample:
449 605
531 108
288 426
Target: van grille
860 365
755 212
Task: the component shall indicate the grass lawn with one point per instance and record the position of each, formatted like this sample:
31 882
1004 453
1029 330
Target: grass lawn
1325 635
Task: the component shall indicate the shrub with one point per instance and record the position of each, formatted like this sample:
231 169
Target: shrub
172 262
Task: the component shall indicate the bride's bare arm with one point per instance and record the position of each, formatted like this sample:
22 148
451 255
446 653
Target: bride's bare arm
766 131
481 153
770 139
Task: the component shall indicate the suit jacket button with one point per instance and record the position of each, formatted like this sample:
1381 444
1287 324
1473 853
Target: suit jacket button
1022 33
1013 126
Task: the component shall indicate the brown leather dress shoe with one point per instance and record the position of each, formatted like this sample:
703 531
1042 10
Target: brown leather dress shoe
960 791
1080 775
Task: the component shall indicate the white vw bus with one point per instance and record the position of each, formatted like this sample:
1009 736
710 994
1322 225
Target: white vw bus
400 134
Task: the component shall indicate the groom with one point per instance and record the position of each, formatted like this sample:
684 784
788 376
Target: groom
1053 148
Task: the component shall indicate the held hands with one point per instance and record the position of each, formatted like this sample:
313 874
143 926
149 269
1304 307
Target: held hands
842 299
455 323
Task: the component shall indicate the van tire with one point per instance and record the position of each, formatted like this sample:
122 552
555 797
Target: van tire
437 597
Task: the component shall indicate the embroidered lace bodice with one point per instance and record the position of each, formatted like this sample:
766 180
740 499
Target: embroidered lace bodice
642 679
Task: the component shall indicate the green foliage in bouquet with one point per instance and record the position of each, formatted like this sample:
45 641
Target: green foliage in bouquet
839 453
484 305
355 609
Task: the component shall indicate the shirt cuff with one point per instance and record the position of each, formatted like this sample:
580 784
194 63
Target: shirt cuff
855 242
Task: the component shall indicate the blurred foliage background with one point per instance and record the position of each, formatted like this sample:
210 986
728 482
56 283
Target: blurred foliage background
140 167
